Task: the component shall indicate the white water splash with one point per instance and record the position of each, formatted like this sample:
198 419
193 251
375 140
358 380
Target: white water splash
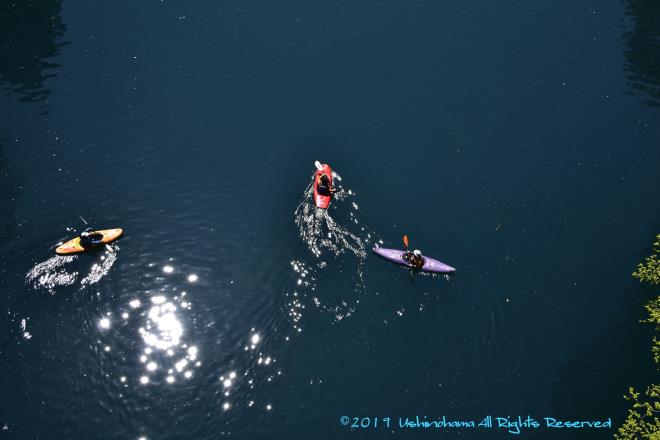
320 231
98 271
51 274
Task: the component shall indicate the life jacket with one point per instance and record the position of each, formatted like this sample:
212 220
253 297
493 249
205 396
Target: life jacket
410 258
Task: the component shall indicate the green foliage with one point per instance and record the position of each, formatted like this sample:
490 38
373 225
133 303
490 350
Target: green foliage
642 421
649 270
653 308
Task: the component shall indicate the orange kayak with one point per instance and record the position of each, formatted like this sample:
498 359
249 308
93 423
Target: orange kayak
74 247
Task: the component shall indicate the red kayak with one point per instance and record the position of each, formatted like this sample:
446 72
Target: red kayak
322 199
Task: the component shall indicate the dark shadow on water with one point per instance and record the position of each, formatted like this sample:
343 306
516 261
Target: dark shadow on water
8 185
598 374
30 34
642 49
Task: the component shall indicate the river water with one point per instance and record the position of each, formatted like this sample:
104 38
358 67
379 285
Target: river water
517 142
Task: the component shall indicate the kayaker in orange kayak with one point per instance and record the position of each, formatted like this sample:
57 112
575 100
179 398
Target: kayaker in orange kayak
89 237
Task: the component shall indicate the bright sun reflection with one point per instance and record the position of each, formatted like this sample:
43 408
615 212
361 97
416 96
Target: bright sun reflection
165 351
254 340
163 329
166 355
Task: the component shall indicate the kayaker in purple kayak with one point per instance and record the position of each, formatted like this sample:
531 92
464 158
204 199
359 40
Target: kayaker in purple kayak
414 258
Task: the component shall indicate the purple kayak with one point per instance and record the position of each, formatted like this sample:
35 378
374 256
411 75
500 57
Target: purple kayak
430 265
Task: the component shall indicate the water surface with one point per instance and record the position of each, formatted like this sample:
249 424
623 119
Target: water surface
516 142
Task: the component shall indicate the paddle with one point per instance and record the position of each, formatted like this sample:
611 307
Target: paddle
405 243
107 246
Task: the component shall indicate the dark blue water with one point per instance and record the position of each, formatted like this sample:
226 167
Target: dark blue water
517 142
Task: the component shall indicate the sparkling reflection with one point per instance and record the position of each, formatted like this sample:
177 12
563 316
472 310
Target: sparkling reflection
162 334
258 371
26 334
165 355
163 329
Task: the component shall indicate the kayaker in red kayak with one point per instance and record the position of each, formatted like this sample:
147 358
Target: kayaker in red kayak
322 185
325 186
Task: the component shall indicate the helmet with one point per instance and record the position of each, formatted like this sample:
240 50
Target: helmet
417 253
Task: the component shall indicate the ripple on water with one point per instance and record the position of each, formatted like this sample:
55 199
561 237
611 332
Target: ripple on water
152 343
